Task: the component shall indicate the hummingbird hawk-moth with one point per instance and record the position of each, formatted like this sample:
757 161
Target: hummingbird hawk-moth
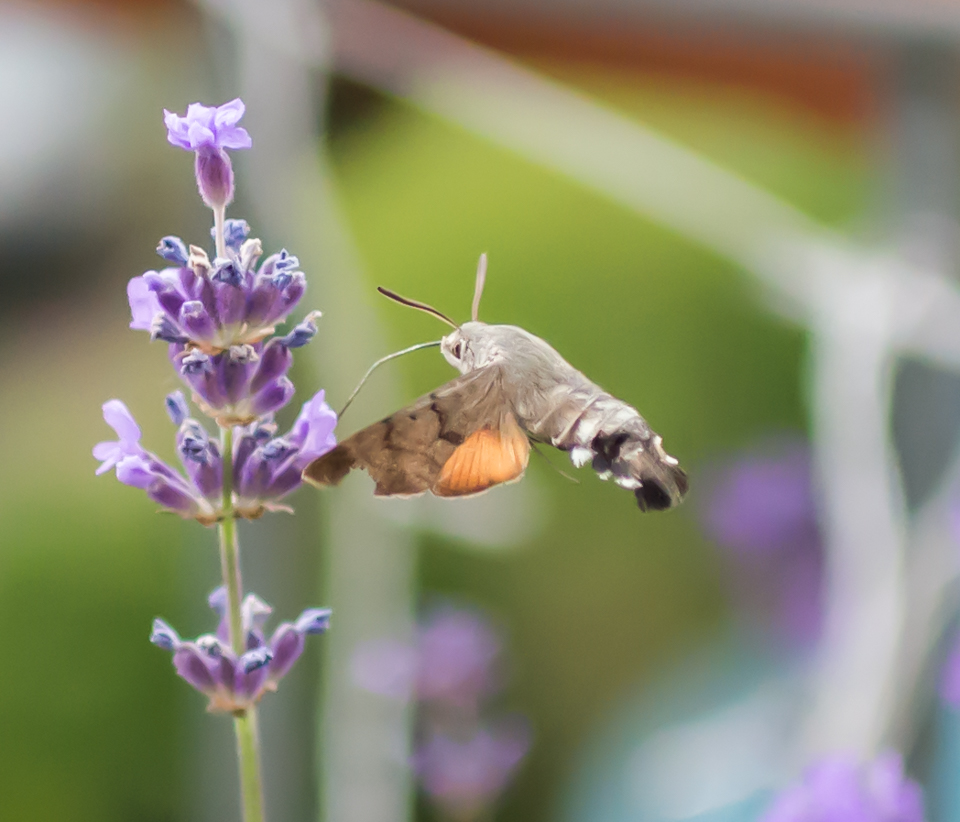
475 431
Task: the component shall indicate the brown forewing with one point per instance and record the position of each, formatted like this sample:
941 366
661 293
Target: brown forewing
406 452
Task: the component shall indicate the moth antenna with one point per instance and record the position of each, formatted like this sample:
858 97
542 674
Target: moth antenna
414 304
377 364
478 289
549 462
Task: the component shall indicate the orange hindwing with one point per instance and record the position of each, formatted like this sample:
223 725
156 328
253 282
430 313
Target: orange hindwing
486 458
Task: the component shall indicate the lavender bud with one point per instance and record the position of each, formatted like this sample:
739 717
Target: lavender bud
281 280
286 261
302 333
177 407
254 659
210 645
235 232
194 443
218 601
162 328
163 636
250 252
191 664
198 260
214 176
227 271
314 621
196 320
278 449
274 395
196 362
174 495
264 429
283 267
243 354
173 250
255 613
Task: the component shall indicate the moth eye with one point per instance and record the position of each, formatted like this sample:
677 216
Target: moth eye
457 350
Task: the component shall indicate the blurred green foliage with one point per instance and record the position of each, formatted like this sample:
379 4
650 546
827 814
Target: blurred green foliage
93 722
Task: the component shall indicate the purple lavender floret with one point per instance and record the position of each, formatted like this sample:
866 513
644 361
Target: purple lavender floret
266 467
235 233
840 789
141 469
234 683
119 418
208 126
464 776
208 131
173 250
214 306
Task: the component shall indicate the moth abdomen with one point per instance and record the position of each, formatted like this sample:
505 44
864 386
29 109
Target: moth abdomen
597 428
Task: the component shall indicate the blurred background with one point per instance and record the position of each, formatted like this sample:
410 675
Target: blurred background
740 217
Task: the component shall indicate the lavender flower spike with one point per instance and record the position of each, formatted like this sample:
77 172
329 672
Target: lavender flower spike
839 789
208 130
233 683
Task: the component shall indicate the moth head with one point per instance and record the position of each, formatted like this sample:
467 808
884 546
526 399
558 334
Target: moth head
467 348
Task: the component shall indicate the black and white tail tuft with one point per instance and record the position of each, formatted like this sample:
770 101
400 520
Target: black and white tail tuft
637 463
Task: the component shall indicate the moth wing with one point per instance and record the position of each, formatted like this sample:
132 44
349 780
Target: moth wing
407 453
488 457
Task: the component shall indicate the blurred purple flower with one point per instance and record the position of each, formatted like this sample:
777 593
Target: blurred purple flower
465 776
760 507
231 682
457 650
208 130
839 789
386 667
451 668
265 467
213 307
763 502
453 660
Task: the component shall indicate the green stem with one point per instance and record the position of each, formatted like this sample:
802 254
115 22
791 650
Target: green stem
229 548
248 752
219 215
245 723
